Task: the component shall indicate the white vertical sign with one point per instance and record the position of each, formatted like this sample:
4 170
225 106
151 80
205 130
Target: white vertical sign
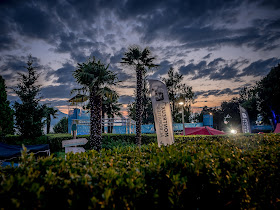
162 112
245 123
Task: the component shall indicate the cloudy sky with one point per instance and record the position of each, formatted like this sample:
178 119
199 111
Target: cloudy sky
219 46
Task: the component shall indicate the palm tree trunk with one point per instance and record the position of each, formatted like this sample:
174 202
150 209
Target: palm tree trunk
103 124
95 121
112 124
139 108
48 124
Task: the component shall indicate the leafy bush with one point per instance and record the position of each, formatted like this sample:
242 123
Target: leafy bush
109 141
226 172
61 126
18 140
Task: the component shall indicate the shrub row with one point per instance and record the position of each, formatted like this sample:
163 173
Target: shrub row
109 141
55 140
207 172
18 140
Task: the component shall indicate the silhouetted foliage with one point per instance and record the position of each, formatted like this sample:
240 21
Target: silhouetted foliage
142 61
147 116
61 126
48 112
268 90
178 91
94 77
29 113
6 113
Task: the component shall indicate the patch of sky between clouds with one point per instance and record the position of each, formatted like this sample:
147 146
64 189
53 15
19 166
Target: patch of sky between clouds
45 53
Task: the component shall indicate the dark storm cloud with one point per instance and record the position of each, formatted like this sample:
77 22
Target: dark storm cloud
30 19
65 74
55 102
259 67
160 15
226 91
12 65
72 26
61 91
77 27
191 23
198 70
163 68
117 56
122 76
216 62
220 69
7 42
207 56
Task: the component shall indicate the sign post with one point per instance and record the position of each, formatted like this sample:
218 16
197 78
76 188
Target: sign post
162 113
71 145
245 123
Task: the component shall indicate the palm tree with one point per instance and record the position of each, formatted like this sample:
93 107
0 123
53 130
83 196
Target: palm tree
94 76
111 107
48 112
141 61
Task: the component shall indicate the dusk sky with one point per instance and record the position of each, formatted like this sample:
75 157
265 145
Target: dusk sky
219 46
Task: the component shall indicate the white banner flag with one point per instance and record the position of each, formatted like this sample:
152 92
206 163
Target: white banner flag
162 112
245 123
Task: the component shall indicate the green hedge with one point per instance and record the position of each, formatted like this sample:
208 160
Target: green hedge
241 172
109 141
18 140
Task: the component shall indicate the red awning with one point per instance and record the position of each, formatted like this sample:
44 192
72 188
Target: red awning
277 129
202 131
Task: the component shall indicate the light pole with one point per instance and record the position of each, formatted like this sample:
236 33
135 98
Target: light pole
182 103
211 120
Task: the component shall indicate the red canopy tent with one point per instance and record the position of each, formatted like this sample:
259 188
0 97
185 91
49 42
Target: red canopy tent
277 129
206 130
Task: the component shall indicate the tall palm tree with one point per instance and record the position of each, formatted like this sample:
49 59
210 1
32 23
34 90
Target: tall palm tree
94 76
141 61
49 112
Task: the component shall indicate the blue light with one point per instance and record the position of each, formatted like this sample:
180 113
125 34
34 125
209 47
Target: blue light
274 117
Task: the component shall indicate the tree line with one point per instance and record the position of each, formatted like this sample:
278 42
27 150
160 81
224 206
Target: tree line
261 101
29 115
97 88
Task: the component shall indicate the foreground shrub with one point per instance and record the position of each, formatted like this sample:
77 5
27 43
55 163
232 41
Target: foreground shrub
236 173
109 141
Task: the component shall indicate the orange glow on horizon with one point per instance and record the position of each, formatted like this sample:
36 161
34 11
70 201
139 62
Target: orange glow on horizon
63 109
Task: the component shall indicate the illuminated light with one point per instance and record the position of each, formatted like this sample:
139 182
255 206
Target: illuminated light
181 103
233 131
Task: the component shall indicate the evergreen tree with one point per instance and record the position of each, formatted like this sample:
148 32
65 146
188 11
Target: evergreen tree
268 92
61 126
6 113
178 91
29 113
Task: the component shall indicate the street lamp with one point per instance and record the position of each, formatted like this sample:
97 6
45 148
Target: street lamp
211 120
182 104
